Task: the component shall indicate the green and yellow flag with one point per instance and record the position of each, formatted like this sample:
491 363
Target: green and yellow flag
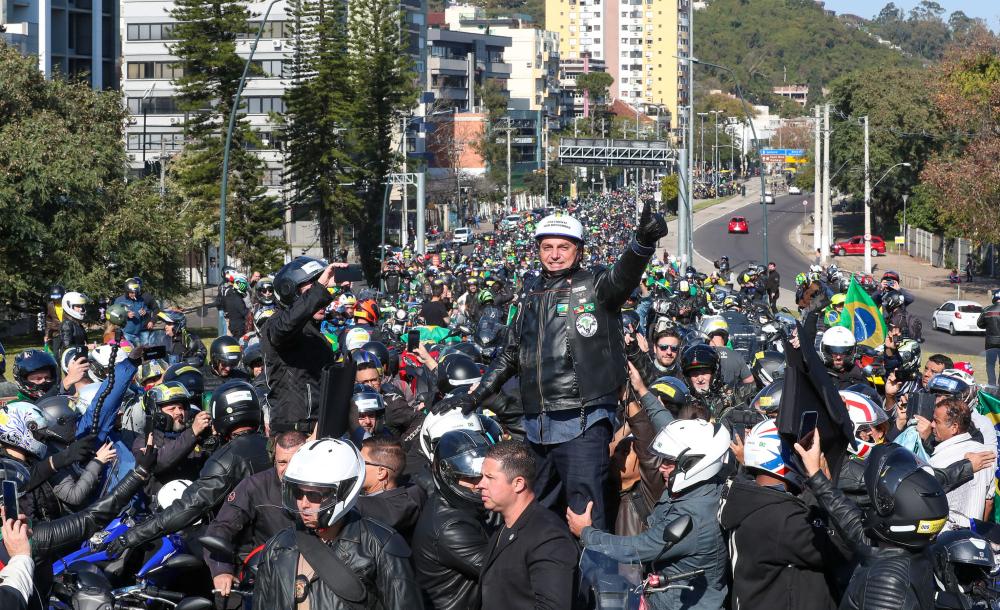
863 317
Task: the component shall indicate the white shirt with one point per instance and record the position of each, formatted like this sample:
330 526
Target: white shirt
968 500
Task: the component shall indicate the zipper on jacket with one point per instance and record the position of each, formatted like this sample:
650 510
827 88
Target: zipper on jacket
538 364
309 402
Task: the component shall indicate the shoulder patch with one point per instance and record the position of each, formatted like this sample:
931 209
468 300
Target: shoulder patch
232 496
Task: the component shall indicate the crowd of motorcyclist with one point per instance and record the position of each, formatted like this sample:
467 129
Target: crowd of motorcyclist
527 410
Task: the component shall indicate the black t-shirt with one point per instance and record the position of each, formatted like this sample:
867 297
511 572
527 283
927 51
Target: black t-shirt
434 313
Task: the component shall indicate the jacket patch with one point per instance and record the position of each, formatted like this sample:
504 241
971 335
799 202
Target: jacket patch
586 325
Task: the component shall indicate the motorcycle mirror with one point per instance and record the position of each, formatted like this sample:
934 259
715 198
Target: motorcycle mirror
218 546
194 603
677 529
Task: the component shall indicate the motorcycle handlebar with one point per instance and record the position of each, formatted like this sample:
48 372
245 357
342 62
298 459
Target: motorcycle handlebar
172 596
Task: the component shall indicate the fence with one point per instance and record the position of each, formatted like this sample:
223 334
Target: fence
950 252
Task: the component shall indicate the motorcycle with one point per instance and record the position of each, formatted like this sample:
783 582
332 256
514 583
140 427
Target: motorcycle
84 586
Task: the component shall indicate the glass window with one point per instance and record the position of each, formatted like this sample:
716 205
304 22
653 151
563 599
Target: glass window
144 32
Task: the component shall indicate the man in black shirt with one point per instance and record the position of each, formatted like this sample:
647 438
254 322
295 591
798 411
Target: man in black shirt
434 312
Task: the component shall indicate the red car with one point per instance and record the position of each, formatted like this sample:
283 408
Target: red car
856 245
738 224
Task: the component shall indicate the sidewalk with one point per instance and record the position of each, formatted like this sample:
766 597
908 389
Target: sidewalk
915 274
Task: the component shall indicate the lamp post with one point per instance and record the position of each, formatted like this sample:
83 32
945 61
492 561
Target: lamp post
701 166
715 154
868 196
224 187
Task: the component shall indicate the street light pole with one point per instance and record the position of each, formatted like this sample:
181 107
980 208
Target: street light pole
868 197
701 163
715 154
224 186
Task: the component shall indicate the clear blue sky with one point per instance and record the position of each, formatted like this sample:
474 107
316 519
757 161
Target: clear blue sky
986 9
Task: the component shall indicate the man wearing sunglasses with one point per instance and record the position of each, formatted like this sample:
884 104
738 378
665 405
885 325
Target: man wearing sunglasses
662 357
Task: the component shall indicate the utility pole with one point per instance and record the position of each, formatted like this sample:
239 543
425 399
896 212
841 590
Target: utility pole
545 151
827 212
715 154
868 206
817 184
701 162
404 228
510 194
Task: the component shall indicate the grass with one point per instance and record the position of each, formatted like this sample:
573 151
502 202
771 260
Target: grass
705 204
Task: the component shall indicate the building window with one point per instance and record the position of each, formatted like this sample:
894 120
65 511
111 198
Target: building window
273 68
272 177
156 141
150 31
153 69
264 105
153 105
272 29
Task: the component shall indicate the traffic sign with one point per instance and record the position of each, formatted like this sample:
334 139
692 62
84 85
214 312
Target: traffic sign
900 240
805 202
783 152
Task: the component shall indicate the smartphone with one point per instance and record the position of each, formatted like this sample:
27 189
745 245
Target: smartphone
922 404
807 428
10 499
83 352
351 273
154 352
412 340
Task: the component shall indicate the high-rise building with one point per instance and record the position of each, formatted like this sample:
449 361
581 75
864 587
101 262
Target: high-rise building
70 37
638 41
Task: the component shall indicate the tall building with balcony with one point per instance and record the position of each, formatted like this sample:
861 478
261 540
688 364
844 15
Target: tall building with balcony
69 37
638 41
459 62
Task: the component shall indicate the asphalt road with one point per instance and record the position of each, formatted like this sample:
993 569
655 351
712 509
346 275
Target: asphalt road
712 240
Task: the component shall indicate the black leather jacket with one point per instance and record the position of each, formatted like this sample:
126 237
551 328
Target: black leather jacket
888 578
295 352
375 553
449 547
72 333
238 459
567 346
990 320
852 478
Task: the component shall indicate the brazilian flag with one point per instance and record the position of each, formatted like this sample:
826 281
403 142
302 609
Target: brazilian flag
989 405
863 317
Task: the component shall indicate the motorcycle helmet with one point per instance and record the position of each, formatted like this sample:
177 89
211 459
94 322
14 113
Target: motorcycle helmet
563 226
16 429
838 340
456 371
235 404
698 449
435 426
893 300
364 359
908 354
56 292
117 314
865 413
100 361
366 399
355 337
951 382
264 292
12 470
261 315
72 300
241 284
173 317
699 358
134 284
909 505
253 355
630 321
768 399
192 379
368 311
60 418
171 492
768 366
764 451
458 454
298 272
996 296
151 370
68 356
225 350
962 560
671 391
329 471
485 296
800 279
381 352
28 362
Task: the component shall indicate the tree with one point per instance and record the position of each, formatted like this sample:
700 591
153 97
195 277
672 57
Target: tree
595 85
65 212
382 82
493 99
670 190
319 111
206 34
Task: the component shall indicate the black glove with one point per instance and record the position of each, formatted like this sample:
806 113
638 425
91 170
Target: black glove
652 227
465 402
81 450
145 460
119 545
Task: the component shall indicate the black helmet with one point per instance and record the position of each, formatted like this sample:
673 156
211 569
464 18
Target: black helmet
464 348
161 395
671 391
302 270
264 290
908 354
235 404
768 400
909 505
134 284
893 300
366 399
60 418
768 366
699 357
253 355
459 453
459 370
996 296
962 559
192 378
56 292
28 362
381 352
225 350
630 319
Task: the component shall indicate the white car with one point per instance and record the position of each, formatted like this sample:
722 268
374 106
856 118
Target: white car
768 197
957 317
510 221
794 190
462 235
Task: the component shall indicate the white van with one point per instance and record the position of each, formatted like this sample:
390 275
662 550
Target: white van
462 235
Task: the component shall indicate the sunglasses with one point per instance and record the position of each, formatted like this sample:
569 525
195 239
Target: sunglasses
313 496
665 347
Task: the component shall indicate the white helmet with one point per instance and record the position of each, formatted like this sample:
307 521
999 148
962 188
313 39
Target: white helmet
171 492
435 426
71 299
334 467
863 413
86 396
559 226
838 340
816 268
697 447
100 361
713 324
355 338
17 425
762 450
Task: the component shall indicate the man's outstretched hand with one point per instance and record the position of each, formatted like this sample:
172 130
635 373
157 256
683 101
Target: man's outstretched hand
652 227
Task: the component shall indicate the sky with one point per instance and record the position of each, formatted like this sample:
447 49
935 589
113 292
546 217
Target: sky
987 9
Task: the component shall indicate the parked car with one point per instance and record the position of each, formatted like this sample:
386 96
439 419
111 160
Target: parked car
462 235
856 245
957 317
768 197
794 190
738 224
510 221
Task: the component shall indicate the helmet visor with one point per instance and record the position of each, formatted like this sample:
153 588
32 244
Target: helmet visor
317 498
466 464
944 384
890 470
